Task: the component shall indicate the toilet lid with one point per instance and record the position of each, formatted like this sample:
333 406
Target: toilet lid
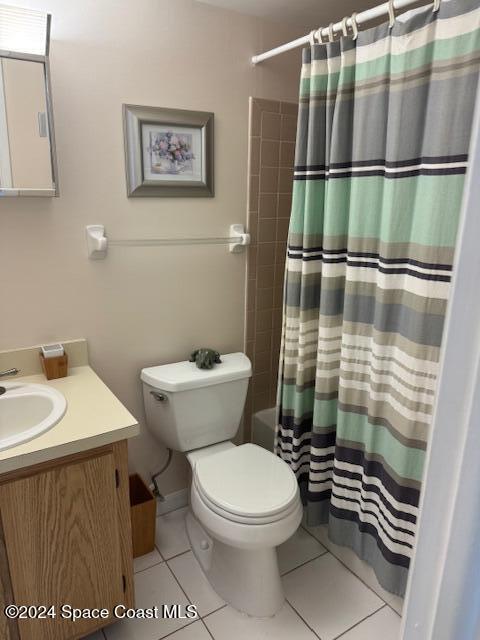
246 480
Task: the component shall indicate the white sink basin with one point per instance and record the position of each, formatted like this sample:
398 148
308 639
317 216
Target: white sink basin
27 410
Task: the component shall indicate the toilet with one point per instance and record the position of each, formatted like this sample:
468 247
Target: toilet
244 500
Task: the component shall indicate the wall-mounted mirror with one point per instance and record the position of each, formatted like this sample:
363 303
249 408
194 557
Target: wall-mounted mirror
27 142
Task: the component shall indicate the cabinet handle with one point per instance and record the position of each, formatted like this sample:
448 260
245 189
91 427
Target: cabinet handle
117 478
124 583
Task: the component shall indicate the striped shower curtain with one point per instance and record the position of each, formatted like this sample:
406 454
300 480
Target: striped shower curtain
383 136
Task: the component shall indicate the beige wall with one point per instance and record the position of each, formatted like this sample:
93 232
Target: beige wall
141 306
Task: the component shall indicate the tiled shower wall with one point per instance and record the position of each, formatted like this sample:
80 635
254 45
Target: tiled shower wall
272 129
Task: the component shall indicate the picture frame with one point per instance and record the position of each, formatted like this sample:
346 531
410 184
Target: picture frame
168 152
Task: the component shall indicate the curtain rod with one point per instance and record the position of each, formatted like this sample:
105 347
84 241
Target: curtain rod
370 14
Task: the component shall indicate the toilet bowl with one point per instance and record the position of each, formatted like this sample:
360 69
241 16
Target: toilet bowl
244 503
244 500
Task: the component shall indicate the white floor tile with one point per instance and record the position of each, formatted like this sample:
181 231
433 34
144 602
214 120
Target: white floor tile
153 587
147 561
328 596
320 532
195 631
298 549
360 568
195 584
171 535
229 624
383 625
396 603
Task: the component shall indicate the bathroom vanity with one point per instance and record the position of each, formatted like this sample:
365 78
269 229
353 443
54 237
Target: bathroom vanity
65 534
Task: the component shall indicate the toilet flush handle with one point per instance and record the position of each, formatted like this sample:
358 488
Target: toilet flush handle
160 397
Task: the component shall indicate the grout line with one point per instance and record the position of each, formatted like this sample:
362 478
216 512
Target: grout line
182 553
304 563
156 547
359 622
347 567
302 619
183 591
394 610
155 564
179 628
208 630
215 610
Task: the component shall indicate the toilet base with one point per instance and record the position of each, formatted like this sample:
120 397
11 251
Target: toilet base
247 579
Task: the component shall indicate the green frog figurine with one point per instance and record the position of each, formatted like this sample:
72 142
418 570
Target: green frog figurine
205 358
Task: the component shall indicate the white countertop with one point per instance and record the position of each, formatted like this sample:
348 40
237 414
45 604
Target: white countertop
94 417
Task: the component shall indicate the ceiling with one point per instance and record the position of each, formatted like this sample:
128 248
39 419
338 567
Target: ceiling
302 13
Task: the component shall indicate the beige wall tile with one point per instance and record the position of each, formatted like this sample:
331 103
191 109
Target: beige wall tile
266 253
273 389
277 295
287 154
264 298
263 320
280 252
279 274
263 362
252 259
253 190
290 108
271 123
277 318
285 180
251 296
250 331
269 153
261 382
265 276
282 229
284 204
268 105
276 339
261 401
267 229
269 180
249 350
267 207
263 341
253 230
276 159
254 156
289 128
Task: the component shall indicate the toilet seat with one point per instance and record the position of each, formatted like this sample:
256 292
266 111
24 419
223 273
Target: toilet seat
246 484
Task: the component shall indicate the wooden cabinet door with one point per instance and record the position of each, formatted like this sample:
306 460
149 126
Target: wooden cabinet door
63 543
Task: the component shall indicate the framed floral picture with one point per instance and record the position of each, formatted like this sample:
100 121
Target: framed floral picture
168 152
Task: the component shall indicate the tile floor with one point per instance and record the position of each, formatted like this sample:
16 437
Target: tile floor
324 599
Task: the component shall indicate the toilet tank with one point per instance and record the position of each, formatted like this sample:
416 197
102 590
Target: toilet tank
188 408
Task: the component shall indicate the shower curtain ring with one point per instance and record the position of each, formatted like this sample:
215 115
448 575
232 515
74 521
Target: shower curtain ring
436 6
353 18
318 35
344 27
331 37
311 37
391 14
